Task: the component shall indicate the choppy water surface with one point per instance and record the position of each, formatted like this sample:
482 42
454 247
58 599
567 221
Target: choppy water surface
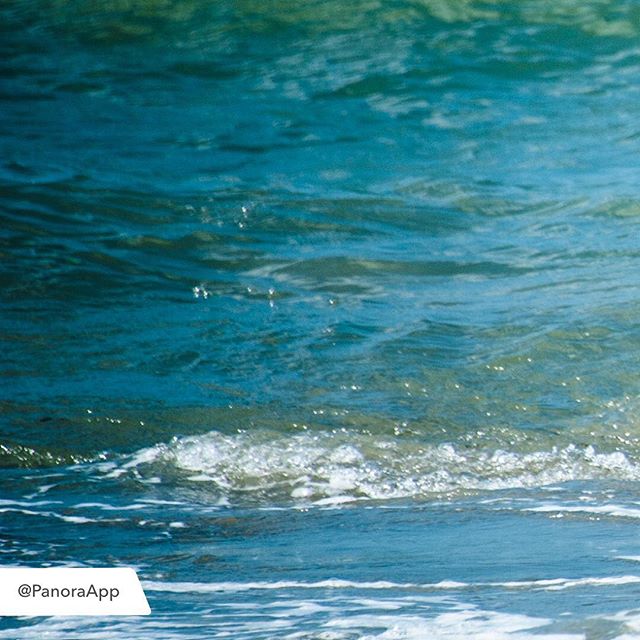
324 316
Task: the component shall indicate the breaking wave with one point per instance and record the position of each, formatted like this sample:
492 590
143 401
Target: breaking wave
339 467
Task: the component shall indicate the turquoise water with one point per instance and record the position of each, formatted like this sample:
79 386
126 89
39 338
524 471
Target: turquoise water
324 316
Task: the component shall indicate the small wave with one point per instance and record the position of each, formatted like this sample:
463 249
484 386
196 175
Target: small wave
329 469
51 514
615 511
550 584
333 583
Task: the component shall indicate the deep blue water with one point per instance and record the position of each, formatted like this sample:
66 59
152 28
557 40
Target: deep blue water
324 316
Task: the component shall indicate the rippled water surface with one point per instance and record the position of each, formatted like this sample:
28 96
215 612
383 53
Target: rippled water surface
324 316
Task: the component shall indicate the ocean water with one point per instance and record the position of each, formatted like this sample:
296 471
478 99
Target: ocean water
324 316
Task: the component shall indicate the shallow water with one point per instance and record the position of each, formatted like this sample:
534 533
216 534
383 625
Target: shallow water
324 316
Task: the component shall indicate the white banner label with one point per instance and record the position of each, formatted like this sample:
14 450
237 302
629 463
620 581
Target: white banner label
59 591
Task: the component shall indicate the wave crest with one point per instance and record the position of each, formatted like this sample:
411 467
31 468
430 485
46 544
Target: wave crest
336 467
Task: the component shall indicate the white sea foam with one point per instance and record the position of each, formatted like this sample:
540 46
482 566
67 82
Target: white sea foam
231 587
107 507
612 510
547 584
30 503
631 621
312 615
559 584
59 516
466 622
333 468
331 623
